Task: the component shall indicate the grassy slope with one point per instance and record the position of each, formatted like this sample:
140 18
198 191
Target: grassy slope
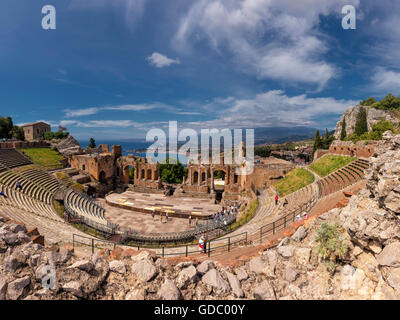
44 157
294 180
329 164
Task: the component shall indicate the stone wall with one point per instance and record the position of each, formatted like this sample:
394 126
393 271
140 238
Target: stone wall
23 144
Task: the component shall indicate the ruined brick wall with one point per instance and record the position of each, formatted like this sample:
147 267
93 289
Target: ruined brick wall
101 168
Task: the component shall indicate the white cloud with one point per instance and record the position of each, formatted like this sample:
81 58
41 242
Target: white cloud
160 61
80 112
294 51
274 109
386 81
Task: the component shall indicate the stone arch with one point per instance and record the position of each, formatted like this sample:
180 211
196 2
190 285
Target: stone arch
195 177
102 177
142 174
148 174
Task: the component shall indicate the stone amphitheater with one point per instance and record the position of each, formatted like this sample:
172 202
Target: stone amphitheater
33 206
280 263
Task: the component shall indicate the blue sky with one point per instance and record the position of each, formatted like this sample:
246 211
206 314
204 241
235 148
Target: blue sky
114 69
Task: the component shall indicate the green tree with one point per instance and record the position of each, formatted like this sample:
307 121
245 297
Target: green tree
361 122
317 142
343 133
6 127
171 173
92 143
18 133
368 102
390 102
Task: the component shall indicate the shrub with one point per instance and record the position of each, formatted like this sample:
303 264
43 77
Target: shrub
331 244
55 135
390 102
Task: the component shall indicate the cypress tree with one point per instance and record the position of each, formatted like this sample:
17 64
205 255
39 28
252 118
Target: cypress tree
317 142
361 122
343 134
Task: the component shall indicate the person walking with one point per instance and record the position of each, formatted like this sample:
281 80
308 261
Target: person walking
190 221
166 216
153 214
276 200
65 216
205 245
201 244
196 222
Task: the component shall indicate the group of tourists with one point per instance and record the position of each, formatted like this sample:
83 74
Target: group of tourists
303 216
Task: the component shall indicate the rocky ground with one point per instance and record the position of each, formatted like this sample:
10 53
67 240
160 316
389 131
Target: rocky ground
291 270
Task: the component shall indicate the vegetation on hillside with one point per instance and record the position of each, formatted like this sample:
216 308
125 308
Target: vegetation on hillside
376 132
390 102
368 102
8 130
329 164
331 244
294 180
343 133
172 173
55 135
324 142
44 157
361 122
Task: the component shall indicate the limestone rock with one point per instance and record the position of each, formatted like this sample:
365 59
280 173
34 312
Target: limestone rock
241 274
136 294
286 251
394 279
264 291
235 285
145 270
300 234
169 291
118 266
16 288
205 266
3 288
186 276
390 255
214 279
290 273
73 287
85 265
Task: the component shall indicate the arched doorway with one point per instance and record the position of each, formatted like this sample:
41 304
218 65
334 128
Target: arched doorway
195 177
102 177
219 184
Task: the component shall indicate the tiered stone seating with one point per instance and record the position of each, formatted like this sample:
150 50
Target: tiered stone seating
11 158
43 179
28 204
30 187
343 177
81 206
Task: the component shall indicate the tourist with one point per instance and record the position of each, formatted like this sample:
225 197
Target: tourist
285 203
18 185
166 216
196 222
2 194
276 200
153 214
298 218
161 217
305 215
201 244
190 221
205 244
65 216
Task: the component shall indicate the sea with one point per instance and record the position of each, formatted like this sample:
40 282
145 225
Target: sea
136 148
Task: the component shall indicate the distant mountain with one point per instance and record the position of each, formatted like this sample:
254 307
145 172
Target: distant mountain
280 135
